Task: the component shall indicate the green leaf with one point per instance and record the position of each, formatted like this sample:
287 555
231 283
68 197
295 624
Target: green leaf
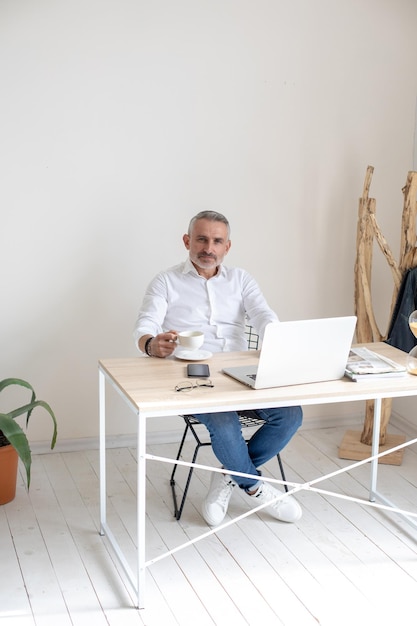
18 440
13 432
21 383
17 381
28 408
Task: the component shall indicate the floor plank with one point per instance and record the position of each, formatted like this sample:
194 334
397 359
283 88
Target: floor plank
14 602
344 562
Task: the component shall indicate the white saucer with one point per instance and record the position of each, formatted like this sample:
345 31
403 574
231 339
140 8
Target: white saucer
193 355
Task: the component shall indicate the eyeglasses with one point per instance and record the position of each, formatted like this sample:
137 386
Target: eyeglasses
187 385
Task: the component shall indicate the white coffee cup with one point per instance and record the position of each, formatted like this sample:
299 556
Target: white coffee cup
191 339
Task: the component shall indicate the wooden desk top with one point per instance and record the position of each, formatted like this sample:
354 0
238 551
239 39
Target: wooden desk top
148 384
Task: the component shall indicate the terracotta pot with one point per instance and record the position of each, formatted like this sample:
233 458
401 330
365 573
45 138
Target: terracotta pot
8 473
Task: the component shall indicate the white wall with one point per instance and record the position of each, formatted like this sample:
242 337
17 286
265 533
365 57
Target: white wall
122 118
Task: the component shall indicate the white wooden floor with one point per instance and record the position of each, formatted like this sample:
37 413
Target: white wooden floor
342 563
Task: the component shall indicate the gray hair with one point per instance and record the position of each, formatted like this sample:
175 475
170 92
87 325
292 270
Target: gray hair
212 216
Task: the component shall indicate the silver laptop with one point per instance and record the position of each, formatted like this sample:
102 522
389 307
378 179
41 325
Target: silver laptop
297 352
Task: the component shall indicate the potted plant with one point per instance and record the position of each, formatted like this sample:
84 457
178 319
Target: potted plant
13 441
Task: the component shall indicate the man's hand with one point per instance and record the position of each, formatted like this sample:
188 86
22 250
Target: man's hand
162 345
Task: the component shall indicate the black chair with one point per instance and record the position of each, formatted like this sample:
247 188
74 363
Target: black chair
247 419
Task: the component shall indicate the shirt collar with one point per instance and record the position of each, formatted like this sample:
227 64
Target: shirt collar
189 268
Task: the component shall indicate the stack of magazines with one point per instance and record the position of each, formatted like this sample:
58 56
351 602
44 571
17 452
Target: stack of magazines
364 364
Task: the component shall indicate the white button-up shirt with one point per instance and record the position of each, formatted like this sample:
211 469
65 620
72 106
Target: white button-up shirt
180 299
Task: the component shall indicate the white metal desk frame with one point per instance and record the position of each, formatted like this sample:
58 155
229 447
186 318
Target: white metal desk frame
138 581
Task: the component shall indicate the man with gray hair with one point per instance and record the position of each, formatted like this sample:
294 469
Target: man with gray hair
203 294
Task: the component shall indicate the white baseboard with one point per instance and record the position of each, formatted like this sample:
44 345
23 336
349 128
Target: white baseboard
171 436
404 424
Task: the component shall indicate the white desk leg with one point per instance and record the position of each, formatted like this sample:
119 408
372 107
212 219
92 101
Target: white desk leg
102 414
141 509
375 447
137 582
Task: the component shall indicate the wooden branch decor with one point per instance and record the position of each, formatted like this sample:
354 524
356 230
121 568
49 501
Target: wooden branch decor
356 445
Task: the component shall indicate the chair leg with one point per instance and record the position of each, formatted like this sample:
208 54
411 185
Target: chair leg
199 443
177 512
172 481
281 468
189 427
178 509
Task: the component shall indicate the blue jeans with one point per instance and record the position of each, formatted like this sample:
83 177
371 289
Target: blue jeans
232 450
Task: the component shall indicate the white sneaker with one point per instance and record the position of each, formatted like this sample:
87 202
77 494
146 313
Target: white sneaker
214 507
286 509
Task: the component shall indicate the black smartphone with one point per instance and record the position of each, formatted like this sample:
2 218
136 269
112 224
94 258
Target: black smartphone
198 370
